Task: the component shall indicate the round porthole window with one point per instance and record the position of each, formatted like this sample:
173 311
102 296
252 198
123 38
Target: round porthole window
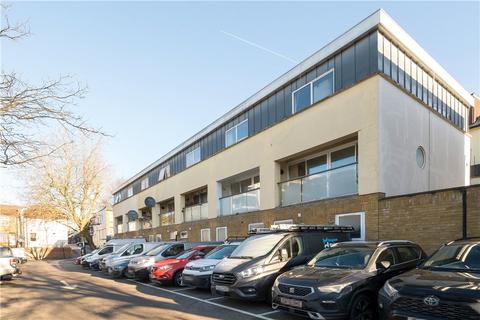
420 157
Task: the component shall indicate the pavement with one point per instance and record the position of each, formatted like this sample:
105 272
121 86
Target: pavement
62 290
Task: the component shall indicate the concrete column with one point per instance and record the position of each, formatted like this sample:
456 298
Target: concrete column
269 178
214 193
179 206
156 216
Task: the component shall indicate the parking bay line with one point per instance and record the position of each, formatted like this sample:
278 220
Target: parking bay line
259 316
269 312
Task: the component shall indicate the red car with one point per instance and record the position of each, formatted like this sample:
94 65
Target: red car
170 271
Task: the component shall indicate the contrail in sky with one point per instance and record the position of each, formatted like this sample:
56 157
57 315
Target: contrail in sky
259 46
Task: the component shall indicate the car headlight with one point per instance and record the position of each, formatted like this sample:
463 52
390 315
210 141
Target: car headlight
166 267
251 272
338 288
390 290
207 268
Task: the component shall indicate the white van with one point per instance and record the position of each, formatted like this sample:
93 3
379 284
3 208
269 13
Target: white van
117 264
109 248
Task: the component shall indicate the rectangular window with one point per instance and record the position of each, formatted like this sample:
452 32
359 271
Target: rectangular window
158 237
144 184
302 98
151 238
193 157
164 173
130 191
33 236
356 220
323 86
205 234
222 233
237 133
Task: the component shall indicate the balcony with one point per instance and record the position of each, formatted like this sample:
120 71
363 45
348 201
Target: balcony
475 171
167 218
341 181
239 203
196 212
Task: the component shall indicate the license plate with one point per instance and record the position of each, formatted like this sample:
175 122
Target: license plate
187 277
222 288
291 302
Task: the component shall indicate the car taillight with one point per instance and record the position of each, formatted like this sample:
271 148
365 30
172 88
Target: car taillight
13 262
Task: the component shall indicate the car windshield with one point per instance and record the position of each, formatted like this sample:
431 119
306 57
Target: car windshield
122 248
156 250
221 252
257 246
185 254
349 257
464 257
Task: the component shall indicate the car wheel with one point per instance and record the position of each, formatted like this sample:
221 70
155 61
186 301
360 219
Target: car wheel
362 308
177 278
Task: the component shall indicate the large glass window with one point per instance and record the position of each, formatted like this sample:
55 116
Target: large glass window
356 220
343 157
323 87
237 133
193 157
314 91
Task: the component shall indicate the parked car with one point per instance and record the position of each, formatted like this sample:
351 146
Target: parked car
93 261
118 265
254 265
80 259
8 264
197 273
445 286
19 253
169 271
140 267
342 282
102 264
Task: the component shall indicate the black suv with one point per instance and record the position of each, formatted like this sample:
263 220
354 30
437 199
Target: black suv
254 265
445 286
343 281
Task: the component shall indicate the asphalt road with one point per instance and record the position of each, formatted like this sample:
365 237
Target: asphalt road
61 290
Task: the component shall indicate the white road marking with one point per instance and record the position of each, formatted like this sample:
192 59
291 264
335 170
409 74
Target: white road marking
269 312
259 316
182 289
67 286
215 298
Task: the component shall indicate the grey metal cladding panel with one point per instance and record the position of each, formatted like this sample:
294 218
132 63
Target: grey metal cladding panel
321 69
264 114
279 106
374 54
258 118
271 110
288 100
362 59
348 66
338 72
251 121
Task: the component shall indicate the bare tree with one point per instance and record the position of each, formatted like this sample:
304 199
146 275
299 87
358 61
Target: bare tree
71 184
26 109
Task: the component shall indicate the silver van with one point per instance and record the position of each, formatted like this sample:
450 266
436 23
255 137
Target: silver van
93 261
117 264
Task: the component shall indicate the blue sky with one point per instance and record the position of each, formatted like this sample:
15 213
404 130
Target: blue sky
158 72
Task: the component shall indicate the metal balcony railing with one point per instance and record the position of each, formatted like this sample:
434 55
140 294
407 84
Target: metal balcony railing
197 212
332 183
239 203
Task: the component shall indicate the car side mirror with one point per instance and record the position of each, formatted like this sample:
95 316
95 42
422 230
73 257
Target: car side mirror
383 265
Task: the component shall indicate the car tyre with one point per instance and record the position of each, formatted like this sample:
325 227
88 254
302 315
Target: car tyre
362 308
177 278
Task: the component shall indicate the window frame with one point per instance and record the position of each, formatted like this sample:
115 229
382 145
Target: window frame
319 154
235 127
144 183
193 155
253 224
216 233
362 223
310 83
209 234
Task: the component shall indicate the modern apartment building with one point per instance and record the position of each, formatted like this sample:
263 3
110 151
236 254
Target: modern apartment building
369 115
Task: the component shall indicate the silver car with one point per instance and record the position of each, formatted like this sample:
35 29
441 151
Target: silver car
117 266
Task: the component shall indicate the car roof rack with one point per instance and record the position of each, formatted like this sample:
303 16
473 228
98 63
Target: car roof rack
301 228
394 242
464 239
231 239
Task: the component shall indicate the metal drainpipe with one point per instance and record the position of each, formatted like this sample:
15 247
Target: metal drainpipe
464 213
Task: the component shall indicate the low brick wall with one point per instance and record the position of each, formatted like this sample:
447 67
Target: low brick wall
49 253
430 218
